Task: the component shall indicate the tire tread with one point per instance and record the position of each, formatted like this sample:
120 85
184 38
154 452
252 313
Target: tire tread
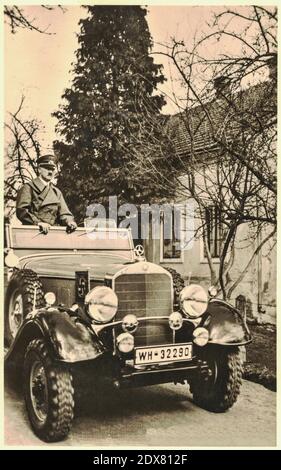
226 391
61 392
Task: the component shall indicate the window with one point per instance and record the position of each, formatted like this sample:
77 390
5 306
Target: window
171 233
213 231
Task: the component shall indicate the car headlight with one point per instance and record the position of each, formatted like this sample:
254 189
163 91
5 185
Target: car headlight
50 298
194 300
102 303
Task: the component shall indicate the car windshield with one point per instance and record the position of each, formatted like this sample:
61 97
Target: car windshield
28 240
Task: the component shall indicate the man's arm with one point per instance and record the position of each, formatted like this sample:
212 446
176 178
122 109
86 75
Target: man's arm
64 215
23 208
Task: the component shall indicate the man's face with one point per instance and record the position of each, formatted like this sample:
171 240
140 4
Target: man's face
46 172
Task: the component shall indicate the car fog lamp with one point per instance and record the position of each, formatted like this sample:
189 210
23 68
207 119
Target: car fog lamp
200 336
194 300
130 323
175 320
102 304
50 298
213 291
125 342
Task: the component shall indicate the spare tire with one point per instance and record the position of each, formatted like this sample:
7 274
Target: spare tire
19 301
178 283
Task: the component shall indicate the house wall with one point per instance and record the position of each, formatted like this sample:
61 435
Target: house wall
258 286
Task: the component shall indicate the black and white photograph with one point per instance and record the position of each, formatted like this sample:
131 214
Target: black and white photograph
140 225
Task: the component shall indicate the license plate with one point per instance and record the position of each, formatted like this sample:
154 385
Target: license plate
169 353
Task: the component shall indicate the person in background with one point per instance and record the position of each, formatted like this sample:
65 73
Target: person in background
40 202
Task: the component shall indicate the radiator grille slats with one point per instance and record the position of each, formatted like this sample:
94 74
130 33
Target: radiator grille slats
153 333
146 295
143 294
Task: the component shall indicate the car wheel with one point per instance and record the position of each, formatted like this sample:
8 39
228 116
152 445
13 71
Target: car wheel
48 393
220 389
19 300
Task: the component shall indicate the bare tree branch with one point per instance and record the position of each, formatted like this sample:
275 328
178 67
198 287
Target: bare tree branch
17 18
225 140
22 150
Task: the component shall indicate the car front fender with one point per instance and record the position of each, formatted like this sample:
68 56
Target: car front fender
225 324
68 339
71 339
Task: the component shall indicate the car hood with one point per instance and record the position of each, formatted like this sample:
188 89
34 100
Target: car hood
99 265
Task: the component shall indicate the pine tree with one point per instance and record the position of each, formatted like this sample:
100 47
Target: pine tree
111 105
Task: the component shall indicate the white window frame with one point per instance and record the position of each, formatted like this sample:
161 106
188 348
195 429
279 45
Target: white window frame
170 260
203 258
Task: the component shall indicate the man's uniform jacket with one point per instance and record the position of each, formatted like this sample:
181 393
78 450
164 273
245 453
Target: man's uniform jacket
38 203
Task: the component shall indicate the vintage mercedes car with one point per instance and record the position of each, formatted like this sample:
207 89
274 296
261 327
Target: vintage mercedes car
89 301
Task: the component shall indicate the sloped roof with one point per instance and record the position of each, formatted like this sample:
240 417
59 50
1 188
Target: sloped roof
196 129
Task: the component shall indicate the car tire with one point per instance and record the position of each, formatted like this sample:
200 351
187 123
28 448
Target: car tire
48 393
178 284
219 391
19 300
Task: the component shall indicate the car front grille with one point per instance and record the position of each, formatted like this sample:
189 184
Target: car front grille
146 295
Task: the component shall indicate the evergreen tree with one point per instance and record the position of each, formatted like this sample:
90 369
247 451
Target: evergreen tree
111 105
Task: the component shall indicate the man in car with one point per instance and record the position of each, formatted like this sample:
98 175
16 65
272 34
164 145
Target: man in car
40 202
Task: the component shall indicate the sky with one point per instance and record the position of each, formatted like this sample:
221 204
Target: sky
38 65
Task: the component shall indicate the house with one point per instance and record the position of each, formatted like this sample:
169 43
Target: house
203 136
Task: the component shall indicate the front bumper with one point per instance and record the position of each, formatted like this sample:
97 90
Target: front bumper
131 376
137 378
152 332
